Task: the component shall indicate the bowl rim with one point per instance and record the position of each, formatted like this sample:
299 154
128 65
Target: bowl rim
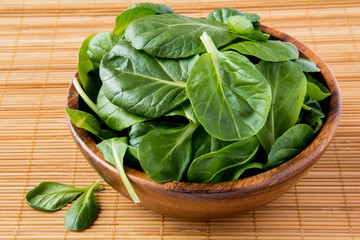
304 160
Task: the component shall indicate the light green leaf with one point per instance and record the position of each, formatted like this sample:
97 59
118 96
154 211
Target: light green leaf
222 14
159 8
245 28
230 97
84 120
307 65
315 90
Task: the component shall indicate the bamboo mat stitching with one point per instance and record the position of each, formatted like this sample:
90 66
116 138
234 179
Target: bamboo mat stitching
113 229
253 214
343 188
22 201
14 52
162 227
72 184
301 228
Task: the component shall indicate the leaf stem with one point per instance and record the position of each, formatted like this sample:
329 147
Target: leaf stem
84 97
306 107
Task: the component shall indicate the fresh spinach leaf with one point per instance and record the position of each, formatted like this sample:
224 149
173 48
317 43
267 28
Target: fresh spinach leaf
159 8
271 50
115 117
254 19
88 122
139 130
245 28
166 153
142 84
312 114
89 76
315 90
222 14
242 169
230 97
175 36
52 196
212 166
126 17
114 150
83 211
307 65
288 86
290 144
84 96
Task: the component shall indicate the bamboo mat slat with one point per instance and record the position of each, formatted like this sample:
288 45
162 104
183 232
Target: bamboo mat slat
39 41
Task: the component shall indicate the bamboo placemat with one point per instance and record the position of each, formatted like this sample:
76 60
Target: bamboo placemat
39 41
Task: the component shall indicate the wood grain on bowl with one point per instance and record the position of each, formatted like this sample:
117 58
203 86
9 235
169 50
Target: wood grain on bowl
215 200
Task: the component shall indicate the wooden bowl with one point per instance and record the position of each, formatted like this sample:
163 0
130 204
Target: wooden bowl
215 200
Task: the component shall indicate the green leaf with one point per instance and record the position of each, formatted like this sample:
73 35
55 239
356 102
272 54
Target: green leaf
139 130
83 211
114 150
175 36
288 86
307 65
230 97
290 144
315 90
312 115
52 196
245 28
84 120
241 170
159 8
212 167
89 76
142 84
254 19
165 153
272 51
126 17
115 117
222 14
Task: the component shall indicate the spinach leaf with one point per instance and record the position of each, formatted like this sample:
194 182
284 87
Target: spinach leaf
84 96
142 84
166 153
159 8
114 150
288 86
184 110
115 117
315 90
245 28
290 144
272 51
230 97
83 211
89 76
175 36
307 65
139 130
126 17
254 19
241 170
88 122
52 196
312 114
222 14
212 166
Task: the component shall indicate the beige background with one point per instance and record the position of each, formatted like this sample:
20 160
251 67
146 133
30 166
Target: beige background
39 41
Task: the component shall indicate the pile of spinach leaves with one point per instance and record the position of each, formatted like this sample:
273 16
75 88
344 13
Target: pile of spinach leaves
198 100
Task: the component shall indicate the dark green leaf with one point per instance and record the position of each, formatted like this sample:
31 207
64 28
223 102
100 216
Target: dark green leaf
165 153
159 8
90 79
212 166
307 65
142 84
126 17
242 169
175 36
83 211
315 90
288 86
290 144
115 117
139 130
231 99
312 115
114 150
222 14
84 120
272 51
